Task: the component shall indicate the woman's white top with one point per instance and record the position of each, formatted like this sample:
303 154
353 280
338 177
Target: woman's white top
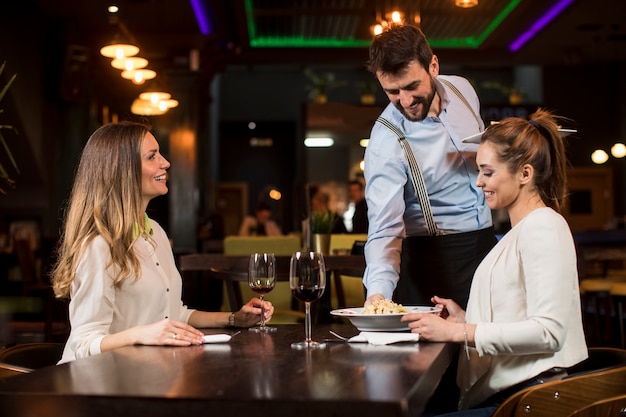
98 308
526 304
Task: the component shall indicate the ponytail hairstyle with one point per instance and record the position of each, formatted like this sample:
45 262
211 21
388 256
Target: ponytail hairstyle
537 142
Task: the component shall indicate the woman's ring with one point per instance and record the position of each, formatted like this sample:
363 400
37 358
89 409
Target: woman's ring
175 336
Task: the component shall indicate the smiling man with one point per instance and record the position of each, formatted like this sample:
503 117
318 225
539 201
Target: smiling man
421 247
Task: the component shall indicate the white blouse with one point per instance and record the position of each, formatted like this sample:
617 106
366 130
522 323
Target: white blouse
525 302
97 308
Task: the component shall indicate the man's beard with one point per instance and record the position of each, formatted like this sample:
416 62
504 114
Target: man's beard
424 101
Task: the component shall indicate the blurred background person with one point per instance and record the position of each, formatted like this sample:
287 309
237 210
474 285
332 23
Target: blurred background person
357 199
260 224
320 203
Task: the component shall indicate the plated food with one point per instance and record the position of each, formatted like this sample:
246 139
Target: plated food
383 322
384 307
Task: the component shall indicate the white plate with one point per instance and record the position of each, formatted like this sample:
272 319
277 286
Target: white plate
380 322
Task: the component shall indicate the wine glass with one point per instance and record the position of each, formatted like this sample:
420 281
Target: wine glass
307 280
261 279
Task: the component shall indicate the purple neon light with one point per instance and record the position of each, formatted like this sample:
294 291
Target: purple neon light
552 13
202 17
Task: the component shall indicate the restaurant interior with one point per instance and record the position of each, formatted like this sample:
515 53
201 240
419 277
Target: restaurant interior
249 82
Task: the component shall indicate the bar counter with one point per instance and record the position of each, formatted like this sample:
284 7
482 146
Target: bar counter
253 374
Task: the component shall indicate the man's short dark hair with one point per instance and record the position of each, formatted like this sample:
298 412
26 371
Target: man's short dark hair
395 48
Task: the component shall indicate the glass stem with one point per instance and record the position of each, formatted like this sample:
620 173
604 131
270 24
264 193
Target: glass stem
307 322
262 313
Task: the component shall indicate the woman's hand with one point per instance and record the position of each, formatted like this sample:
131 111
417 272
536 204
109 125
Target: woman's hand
164 332
447 327
451 311
169 332
250 313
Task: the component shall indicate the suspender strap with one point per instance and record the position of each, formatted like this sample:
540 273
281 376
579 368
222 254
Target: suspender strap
461 97
416 177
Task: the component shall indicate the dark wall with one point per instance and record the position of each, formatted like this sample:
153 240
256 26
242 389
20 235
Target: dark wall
593 97
262 167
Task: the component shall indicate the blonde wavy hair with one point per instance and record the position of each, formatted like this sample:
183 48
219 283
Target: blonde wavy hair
105 201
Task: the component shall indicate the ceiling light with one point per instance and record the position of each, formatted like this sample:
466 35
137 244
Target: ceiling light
599 156
618 150
376 29
154 96
465 3
395 16
129 63
171 103
139 76
167 104
274 194
145 108
318 142
119 47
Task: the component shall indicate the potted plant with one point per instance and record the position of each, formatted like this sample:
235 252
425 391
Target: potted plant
367 92
6 182
321 85
512 93
322 224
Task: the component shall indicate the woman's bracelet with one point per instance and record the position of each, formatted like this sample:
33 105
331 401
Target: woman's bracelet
465 341
231 320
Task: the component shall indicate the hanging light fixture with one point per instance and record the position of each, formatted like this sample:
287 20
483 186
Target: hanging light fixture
465 4
154 96
618 150
168 104
599 156
402 13
119 48
139 76
129 63
146 108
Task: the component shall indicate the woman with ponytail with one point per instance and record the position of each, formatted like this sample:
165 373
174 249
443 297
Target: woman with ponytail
523 322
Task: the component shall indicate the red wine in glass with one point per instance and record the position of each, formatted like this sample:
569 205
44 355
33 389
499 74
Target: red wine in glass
262 279
307 280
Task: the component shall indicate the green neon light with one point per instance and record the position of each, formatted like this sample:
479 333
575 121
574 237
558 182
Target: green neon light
470 42
497 21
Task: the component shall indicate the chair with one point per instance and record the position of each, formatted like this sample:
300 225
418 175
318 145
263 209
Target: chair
284 304
595 368
614 406
347 286
599 359
29 357
596 302
9 370
618 295
561 398
39 316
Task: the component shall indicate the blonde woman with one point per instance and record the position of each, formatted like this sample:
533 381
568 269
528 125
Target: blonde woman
115 264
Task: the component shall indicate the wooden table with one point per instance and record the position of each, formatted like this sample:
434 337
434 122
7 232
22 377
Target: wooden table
252 375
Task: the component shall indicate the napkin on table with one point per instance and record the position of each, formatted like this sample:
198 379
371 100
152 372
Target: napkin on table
382 338
216 338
